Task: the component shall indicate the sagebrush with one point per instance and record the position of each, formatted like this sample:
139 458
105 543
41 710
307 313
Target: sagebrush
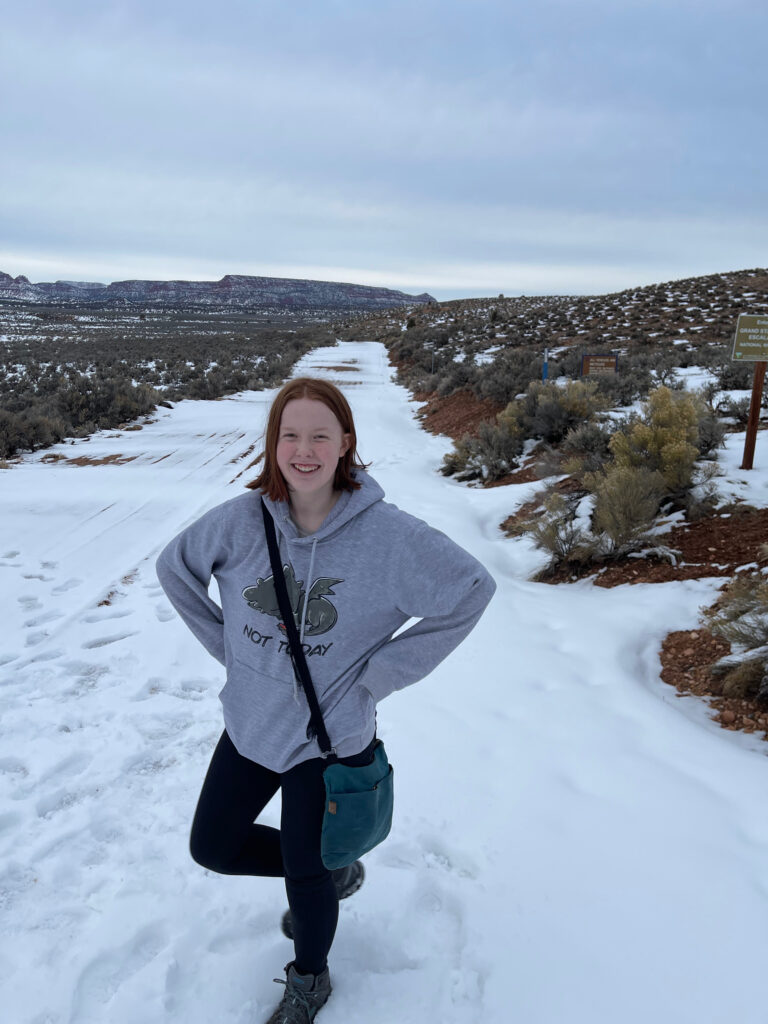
741 618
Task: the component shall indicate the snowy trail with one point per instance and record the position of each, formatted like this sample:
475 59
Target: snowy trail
571 843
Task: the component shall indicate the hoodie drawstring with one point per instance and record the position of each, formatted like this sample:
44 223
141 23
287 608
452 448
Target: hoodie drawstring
307 587
303 616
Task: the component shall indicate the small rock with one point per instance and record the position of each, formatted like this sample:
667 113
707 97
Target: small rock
689 651
694 636
728 718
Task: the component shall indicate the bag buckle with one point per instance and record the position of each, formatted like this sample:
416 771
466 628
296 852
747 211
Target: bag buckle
325 754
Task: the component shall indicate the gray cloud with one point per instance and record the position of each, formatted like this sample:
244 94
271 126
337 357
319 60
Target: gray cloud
470 138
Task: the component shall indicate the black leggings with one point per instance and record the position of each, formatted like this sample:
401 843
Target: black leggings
225 839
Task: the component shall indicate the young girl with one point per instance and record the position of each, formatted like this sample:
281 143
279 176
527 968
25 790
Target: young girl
356 568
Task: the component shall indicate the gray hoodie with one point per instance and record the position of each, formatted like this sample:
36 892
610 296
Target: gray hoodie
367 570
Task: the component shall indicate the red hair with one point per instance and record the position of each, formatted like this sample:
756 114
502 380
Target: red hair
271 481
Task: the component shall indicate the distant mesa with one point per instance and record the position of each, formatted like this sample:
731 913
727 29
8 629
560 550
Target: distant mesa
233 290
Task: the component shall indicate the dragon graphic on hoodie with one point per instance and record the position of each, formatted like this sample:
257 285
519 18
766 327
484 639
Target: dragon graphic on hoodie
319 614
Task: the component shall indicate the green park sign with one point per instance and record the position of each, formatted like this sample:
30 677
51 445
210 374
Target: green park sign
751 341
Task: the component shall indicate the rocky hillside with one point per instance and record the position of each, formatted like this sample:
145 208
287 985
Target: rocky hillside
232 291
488 350
698 308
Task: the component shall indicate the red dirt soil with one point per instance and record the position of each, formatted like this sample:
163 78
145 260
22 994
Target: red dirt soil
686 658
458 414
716 546
719 545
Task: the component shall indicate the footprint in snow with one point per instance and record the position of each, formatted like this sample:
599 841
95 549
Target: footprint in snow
185 689
33 639
67 768
13 766
59 800
114 613
104 641
36 576
161 731
146 764
9 821
153 686
67 585
164 613
436 920
11 554
39 620
29 603
432 852
101 979
241 936
47 655
192 689
15 880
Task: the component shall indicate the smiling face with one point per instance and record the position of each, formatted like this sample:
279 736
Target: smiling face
309 446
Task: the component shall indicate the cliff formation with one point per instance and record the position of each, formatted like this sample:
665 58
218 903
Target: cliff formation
233 290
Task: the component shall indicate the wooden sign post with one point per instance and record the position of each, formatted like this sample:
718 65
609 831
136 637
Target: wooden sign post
751 345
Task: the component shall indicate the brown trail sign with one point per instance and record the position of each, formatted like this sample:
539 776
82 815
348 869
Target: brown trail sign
599 363
751 345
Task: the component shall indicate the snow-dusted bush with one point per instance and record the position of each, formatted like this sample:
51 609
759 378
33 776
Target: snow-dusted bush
586 447
548 411
733 376
741 618
489 456
457 376
28 432
508 375
558 532
626 503
711 430
103 401
631 383
737 409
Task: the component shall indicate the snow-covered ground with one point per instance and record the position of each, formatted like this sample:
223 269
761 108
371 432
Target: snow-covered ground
572 841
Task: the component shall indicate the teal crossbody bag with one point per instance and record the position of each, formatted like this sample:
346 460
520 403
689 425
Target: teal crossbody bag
358 800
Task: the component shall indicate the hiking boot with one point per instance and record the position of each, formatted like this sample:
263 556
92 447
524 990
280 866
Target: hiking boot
304 995
347 881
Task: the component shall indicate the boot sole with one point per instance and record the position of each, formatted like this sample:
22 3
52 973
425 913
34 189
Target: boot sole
358 885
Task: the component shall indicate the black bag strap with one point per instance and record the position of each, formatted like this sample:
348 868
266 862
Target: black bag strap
300 669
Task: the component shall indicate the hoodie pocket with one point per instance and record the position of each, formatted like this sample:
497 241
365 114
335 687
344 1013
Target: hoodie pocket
253 692
367 703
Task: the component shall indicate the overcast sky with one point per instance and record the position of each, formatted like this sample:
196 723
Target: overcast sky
460 148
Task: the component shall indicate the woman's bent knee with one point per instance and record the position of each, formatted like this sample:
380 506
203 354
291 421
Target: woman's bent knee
208 856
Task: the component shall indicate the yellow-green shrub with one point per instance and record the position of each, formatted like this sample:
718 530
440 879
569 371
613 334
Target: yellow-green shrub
664 440
626 503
